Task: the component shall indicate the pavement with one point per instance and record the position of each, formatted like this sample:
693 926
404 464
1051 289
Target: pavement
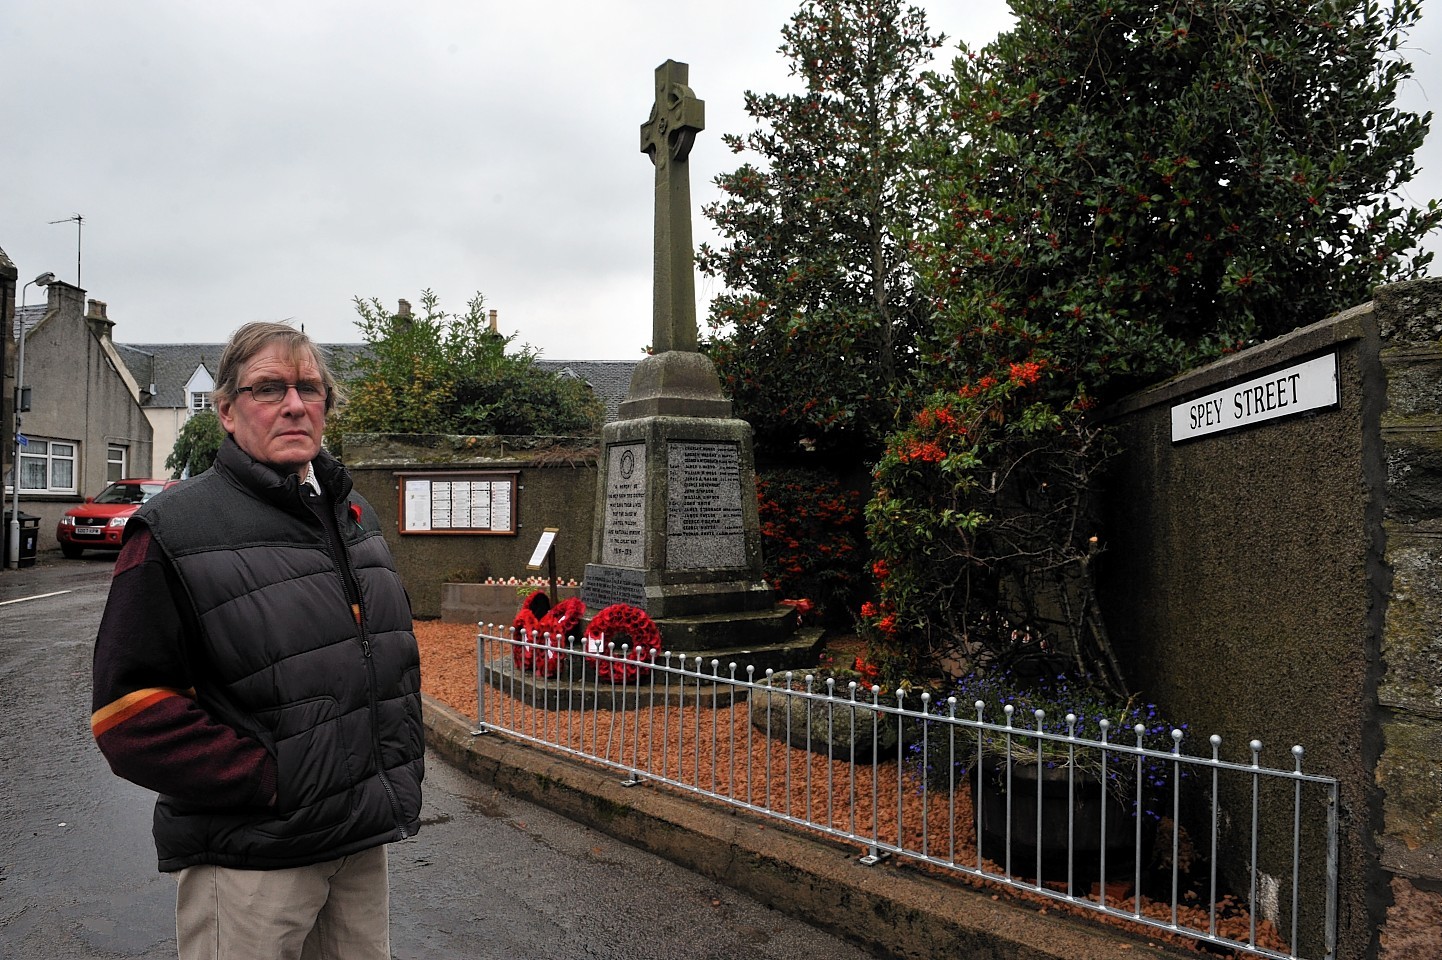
891 909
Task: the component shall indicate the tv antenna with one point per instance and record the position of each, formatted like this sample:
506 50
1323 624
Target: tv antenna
79 222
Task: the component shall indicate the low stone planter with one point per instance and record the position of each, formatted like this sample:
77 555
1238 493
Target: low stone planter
489 602
835 727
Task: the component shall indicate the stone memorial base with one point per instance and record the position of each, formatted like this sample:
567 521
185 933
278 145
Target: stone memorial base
677 532
754 629
577 688
575 685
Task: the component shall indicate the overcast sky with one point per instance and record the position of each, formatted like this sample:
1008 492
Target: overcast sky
273 160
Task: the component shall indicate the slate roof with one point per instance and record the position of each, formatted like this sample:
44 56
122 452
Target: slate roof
169 365
609 379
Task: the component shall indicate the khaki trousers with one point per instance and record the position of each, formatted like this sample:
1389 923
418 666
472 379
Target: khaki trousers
337 910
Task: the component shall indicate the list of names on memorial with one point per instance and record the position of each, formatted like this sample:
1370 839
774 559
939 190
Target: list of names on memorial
457 505
705 526
623 541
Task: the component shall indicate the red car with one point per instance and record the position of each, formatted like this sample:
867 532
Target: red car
100 522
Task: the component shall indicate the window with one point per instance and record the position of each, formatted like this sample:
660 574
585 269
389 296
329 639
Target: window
47 466
200 400
114 464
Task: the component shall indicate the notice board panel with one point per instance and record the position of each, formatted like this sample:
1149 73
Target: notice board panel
467 502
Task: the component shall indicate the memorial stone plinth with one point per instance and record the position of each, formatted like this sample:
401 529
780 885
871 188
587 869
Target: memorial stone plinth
676 529
677 533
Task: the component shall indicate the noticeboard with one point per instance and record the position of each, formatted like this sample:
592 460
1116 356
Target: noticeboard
470 502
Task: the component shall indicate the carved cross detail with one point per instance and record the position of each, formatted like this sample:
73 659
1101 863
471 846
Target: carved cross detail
676 117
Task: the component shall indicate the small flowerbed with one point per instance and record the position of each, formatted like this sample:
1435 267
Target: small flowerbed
1069 709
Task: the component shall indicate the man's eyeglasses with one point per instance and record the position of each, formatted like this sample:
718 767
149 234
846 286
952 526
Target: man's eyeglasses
274 391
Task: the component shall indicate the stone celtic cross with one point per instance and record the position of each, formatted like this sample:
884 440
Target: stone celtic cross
676 117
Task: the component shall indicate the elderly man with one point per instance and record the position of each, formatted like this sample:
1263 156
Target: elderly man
255 667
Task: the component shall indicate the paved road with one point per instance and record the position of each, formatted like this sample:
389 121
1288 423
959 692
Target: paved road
488 877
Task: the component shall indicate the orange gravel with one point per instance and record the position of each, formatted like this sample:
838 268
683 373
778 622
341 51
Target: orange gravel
748 766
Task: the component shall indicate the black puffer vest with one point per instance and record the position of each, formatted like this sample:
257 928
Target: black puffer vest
281 658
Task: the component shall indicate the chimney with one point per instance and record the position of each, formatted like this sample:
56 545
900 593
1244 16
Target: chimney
96 320
404 309
493 322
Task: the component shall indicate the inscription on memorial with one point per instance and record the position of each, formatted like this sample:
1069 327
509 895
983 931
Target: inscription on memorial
705 526
623 539
604 586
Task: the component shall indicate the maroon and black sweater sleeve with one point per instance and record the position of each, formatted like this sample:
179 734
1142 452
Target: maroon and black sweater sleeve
145 717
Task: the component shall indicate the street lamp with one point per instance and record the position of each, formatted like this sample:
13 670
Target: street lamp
44 280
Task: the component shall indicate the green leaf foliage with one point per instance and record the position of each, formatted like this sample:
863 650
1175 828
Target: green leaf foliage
196 445
984 529
1119 190
820 315
438 372
1134 186
811 532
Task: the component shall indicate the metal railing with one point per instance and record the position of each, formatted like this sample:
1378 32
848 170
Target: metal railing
962 794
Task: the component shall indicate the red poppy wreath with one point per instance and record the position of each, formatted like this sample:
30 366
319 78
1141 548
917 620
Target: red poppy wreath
622 625
559 623
526 628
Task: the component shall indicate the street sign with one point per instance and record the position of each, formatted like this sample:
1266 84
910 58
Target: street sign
21 439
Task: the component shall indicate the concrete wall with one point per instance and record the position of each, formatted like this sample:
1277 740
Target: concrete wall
1280 582
557 489
81 394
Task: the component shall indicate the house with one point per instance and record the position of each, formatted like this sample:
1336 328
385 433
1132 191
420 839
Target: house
177 383
85 426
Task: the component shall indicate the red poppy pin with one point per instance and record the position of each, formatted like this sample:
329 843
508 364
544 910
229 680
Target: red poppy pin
355 513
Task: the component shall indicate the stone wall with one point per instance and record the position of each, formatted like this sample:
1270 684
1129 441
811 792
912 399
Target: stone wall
1280 582
557 488
1409 770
